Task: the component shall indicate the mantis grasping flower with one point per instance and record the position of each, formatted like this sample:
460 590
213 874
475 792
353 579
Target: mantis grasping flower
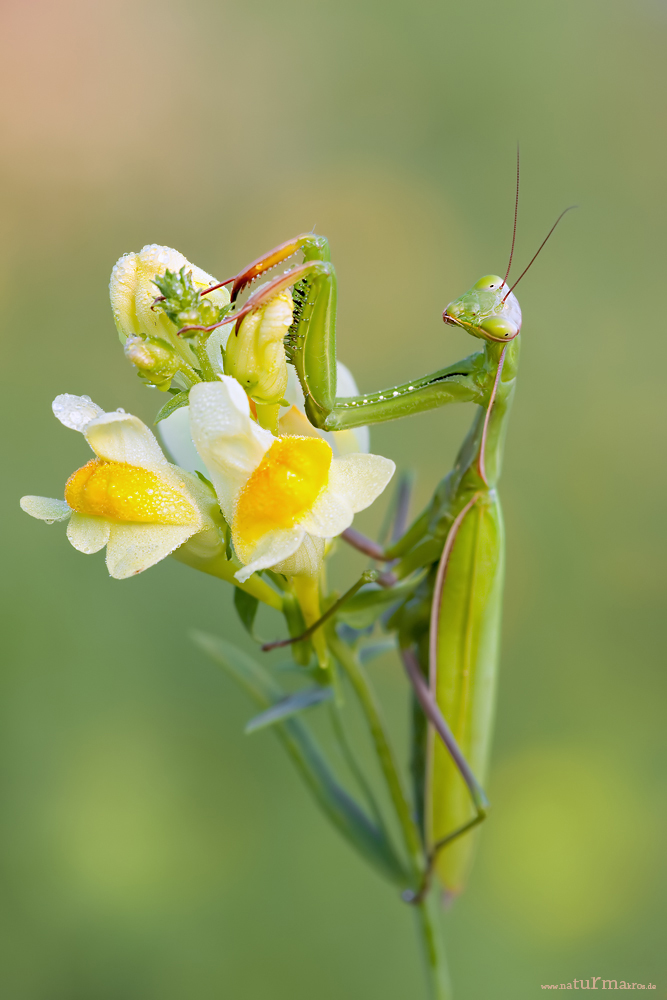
270 493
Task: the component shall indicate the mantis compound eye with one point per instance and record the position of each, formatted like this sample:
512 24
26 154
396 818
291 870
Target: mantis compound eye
489 283
499 327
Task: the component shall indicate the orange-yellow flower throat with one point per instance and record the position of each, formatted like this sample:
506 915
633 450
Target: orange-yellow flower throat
126 493
283 487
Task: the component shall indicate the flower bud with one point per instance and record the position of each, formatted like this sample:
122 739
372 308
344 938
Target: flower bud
156 360
133 292
255 353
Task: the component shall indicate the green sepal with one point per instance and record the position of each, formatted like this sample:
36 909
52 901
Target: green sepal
341 809
288 706
246 608
183 303
202 479
173 404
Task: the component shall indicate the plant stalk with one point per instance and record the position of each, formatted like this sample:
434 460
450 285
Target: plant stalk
383 749
437 970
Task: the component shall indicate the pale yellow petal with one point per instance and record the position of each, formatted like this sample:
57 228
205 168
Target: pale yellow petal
45 508
87 533
360 479
306 561
229 442
120 437
274 547
122 287
132 548
330 514
174 432
75 412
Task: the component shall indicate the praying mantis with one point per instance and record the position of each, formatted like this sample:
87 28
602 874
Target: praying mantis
448 626
443 580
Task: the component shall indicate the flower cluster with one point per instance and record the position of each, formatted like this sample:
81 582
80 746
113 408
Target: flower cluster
256 486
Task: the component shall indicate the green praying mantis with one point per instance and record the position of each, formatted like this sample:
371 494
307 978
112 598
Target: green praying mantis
441 590
449 624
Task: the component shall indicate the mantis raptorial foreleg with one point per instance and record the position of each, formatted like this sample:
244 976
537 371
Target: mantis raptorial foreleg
311 345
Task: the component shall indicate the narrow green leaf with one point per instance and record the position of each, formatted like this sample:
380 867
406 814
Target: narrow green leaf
289 706
173 404
342 810
246 608
368 653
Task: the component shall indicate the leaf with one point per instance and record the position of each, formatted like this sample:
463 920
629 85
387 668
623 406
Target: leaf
368 653
289 706
246 608
342 810
173 404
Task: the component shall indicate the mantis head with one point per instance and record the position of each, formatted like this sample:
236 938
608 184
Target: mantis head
489 310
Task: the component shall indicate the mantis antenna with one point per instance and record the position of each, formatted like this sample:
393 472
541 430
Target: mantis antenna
539 249
516 212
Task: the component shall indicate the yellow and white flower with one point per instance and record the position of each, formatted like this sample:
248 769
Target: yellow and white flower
133 295
129 497
282 496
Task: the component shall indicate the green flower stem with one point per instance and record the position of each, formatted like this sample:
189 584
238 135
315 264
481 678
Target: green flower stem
427 909
386 758
440 987
205 366
224 569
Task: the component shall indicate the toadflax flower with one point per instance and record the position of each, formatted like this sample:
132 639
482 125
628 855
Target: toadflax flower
133 292
129 497
282 496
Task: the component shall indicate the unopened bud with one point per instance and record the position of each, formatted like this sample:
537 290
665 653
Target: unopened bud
133 292
255 354
156 360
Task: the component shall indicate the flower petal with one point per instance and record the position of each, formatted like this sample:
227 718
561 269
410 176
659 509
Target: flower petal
330 514
88 533
359 478
75 412
273 548
45 508
229 442
132 548
120 437
295 423
306 561
174 431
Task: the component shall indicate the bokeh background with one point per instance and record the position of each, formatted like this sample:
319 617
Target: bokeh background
148 850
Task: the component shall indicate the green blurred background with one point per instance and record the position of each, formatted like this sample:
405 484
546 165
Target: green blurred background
149 851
